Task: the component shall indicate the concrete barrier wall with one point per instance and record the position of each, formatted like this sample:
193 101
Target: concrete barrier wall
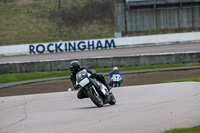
136 60
56 47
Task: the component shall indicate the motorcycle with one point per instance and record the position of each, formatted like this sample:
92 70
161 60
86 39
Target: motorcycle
94 89
116 80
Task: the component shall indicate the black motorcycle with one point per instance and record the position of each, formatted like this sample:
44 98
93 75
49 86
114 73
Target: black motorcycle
94 89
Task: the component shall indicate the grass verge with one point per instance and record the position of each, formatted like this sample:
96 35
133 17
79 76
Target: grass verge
195 129
6 78
184 80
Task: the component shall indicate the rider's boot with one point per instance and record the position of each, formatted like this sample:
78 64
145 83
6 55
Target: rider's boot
108 86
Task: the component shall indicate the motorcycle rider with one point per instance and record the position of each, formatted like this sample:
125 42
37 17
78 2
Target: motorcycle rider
114 71
75 67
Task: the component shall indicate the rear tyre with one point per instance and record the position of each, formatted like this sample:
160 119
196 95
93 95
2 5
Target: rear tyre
96 98
113 100
118 84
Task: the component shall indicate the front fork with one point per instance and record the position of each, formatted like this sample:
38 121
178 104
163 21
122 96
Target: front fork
91 87
107 98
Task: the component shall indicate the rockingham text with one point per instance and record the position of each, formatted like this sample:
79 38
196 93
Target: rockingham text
71 46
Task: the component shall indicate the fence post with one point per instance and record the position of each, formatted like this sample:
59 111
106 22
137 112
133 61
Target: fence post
192 15
60 21
125 19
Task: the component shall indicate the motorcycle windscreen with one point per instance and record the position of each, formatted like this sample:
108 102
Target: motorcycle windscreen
81 75
116 77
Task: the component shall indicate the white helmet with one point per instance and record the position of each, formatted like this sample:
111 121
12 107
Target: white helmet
115 69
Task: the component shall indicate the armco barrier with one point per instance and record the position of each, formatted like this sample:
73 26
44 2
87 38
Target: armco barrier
145 59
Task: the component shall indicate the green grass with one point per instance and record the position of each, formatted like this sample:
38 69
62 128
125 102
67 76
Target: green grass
21 24
25 22
184 80
131 68
6 78
195 129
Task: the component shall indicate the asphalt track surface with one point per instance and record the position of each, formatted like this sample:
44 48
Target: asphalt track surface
154 49
139 109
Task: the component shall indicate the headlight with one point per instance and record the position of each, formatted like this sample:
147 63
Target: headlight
84 82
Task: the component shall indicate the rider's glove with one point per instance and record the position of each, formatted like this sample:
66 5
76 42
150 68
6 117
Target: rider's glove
93 74
76 87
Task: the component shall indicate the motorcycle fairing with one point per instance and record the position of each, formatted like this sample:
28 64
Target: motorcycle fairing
100 86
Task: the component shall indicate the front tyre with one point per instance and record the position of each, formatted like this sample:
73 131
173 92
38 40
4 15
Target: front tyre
95 97
114 84
118 84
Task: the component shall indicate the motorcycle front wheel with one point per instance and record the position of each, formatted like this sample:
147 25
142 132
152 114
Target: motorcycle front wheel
95 97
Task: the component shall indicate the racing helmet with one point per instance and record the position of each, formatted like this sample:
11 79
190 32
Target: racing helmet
115 69
74 67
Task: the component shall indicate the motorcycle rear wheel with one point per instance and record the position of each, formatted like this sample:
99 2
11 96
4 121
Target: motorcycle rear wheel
113 100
